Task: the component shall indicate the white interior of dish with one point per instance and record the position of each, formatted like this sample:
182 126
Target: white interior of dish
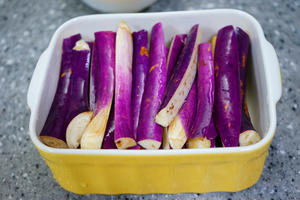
260 100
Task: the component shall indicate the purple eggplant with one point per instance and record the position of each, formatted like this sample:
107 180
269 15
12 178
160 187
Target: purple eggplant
205 94
213 143
79 122
64 107
181 81
178 130
78 94
124 137
203 131
227 107
211 132
174 51
139 71
108 140
149 134
94 82
243 48
207 141
101 87
248 134
79 79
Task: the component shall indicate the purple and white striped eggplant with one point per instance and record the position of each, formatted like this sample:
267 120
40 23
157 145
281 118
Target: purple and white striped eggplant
124 137
101 87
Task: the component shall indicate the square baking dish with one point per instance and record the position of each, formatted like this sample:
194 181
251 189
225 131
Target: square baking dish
161 171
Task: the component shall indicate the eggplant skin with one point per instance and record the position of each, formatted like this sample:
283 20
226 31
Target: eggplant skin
227 106
212 143
101 88
56 123
139 71
243 47
102 77
108 140
188 109
174 52
205 89
80 84
212 132
154 88
93 80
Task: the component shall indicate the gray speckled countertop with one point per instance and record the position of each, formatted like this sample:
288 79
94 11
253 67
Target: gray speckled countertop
25 30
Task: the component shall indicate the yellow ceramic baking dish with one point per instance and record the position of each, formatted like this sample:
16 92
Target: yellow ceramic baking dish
161 171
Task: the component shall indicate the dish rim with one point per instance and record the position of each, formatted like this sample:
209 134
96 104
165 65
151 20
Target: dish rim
272 105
